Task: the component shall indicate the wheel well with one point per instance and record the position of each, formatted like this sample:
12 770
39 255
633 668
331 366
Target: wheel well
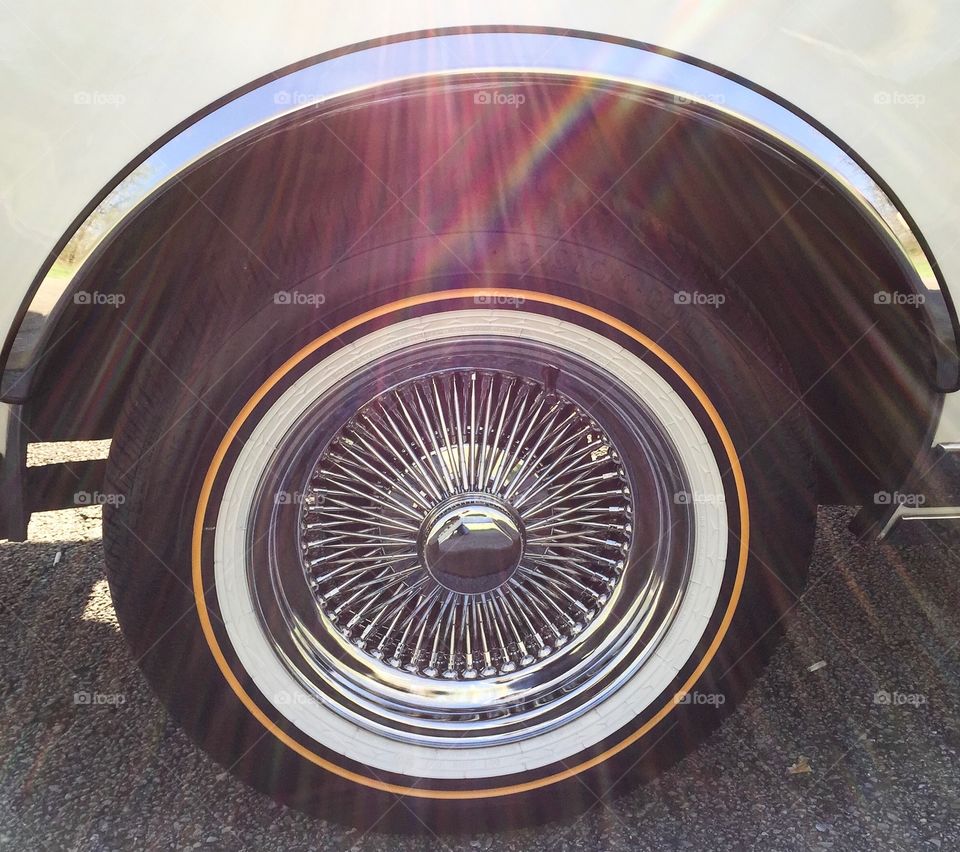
291 200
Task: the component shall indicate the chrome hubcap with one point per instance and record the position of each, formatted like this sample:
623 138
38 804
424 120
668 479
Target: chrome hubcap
472 544
483 543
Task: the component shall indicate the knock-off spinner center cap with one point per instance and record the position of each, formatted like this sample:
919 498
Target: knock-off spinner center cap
472 543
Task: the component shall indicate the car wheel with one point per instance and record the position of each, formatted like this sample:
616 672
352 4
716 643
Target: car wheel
468 543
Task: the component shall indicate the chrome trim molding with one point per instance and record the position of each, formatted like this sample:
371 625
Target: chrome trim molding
938 526
500 52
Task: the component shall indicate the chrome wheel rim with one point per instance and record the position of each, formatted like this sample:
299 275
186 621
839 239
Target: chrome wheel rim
470 547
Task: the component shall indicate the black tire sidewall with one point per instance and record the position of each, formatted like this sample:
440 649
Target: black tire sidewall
160 463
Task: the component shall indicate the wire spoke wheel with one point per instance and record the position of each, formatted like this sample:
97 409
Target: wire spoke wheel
494 519
470 544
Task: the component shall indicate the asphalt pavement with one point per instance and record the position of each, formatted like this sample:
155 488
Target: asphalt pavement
850 740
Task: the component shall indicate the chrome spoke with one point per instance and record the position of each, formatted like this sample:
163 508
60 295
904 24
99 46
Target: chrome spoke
451 446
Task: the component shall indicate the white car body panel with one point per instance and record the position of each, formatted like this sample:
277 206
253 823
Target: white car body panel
86 91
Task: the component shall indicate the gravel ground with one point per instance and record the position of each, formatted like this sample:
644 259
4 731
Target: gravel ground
116 774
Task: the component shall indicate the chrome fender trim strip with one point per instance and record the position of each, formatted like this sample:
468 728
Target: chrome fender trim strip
422 56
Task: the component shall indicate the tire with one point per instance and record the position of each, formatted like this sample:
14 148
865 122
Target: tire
671 374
